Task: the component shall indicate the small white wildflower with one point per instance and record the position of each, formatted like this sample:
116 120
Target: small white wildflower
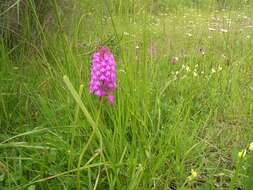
223 30
213 70
187 68
219 68
211 29
189 34
195 74
137 47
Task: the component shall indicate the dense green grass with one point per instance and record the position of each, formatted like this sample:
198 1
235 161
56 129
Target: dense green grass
167 119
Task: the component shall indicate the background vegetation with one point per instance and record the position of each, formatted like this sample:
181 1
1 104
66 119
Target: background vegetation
168 119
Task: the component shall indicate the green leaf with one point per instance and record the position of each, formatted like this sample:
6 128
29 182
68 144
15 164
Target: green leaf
2 176
32 187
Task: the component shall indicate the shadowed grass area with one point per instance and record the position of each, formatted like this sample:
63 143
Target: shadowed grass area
169 120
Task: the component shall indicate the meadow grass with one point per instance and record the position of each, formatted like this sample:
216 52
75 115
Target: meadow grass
168 120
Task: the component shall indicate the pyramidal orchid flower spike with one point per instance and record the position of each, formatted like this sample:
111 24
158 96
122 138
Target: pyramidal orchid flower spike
103 74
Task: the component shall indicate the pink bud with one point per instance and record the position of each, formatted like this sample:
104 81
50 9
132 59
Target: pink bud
111 99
